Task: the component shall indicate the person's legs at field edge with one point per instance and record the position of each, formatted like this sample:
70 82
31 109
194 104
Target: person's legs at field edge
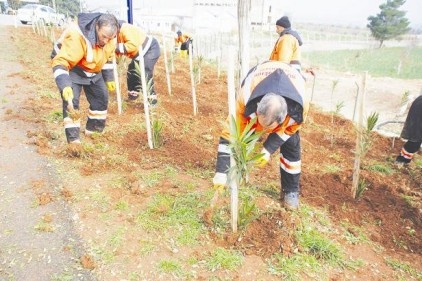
97 96
72 127
290 170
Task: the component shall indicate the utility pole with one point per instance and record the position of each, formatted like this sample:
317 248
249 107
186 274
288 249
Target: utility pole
54 5
129 12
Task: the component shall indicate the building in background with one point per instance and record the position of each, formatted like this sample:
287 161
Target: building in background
190 15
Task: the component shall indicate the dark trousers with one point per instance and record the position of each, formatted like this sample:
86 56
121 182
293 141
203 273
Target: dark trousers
290 164
150 59
97 96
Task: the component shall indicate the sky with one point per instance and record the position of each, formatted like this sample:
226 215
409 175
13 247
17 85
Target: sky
353 12
342 12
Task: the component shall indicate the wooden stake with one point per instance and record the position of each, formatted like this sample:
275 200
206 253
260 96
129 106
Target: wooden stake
166 64
243 9
118 92
232 112
146 104
192 79
359 137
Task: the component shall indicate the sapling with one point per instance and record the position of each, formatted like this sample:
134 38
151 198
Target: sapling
242 146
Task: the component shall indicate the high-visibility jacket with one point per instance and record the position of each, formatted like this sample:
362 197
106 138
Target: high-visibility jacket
129 40
269 77
287 48
182 39
77 50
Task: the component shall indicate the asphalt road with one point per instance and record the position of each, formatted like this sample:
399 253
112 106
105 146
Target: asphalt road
37 242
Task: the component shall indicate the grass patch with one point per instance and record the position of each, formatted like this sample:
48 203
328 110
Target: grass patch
378 62
221 258
380 168
177 216
170 266
296 267
55 116
402 268
331 169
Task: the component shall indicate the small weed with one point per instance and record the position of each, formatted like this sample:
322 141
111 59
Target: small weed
221 258
339 107
152 178
99 199
134 276
247 213
399 243
157 128
331 169
122 205
294 268
65 276
362 186
55 116
4 100
320 247
169 266
403 267
44 227
404 98
177 215
117 238
381 168
354 234
146 248
103 254
48 94
371 121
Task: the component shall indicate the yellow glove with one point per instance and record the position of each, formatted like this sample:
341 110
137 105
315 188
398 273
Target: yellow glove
111 86
263 160
68 94
219 181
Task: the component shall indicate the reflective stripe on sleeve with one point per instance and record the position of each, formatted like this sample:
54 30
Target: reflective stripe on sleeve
59 72
107 66
121 48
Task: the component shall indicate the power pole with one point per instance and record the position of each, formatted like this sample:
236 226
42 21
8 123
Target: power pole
129 12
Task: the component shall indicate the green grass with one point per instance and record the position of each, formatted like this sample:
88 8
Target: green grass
378 62
179 216
381 168
331 169
402 267
296 267
221 258
171 266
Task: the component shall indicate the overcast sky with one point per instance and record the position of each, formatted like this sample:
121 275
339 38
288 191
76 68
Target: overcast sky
346 11
343 12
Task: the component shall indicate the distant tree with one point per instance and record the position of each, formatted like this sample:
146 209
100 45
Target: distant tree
13 4
390 22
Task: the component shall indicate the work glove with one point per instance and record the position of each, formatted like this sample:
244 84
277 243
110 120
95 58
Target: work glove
263 160
111 86
67 94
219 181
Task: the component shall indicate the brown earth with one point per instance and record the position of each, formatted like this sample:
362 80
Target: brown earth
388 212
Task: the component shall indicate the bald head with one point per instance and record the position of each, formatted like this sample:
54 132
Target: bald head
271 110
